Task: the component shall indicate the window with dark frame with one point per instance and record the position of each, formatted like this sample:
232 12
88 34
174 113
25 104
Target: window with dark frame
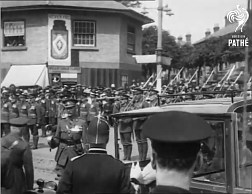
124 80
84 33
14 34
131 38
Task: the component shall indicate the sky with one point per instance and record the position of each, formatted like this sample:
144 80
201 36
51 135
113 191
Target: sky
192 16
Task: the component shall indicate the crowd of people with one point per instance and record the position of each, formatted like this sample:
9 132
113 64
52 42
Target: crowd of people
76 120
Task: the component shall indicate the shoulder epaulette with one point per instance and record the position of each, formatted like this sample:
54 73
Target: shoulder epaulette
76 157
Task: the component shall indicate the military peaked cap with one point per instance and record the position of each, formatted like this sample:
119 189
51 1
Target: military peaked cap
69 103
176 127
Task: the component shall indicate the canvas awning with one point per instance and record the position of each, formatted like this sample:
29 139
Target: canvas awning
151 59
26 75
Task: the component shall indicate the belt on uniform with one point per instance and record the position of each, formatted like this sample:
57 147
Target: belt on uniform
70 142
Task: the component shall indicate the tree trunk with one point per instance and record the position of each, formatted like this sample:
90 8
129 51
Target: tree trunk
169 75
198 74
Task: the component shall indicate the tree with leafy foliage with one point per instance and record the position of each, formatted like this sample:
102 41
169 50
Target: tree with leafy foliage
214 51
149 45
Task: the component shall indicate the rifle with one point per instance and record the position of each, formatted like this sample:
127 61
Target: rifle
172 80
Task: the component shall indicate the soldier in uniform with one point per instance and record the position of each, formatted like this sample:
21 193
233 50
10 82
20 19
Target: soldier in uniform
94 109
69 137
34 117
20 158
96 171
23 107
51 112
5 113
108 109
14 112
175 138
84 109
125 130
147 103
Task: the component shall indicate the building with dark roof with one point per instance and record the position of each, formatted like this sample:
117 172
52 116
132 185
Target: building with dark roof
88 42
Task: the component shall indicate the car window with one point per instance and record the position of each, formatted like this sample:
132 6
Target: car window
210 164
244 151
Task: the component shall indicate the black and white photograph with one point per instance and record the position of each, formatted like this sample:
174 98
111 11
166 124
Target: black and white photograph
126 96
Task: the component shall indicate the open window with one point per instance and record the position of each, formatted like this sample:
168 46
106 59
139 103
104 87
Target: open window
14 34
210 165
243 139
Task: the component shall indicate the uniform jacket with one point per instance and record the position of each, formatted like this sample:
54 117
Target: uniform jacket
14 112
21 158
50 108
138 123
69 131
60 109
34 114
116 107
5 112
41 117
95 172
93 111
146 104
108 108
125 124
84 110
23 109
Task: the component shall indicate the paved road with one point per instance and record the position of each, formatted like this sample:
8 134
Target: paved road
44 163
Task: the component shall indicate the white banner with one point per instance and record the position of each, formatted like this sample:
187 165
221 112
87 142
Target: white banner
59 40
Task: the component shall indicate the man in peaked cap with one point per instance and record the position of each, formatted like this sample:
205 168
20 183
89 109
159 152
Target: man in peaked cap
175 138
96 171
70 137
17 153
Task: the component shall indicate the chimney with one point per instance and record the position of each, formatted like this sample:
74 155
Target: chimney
188 38
208 32
179 42
216 28
227 22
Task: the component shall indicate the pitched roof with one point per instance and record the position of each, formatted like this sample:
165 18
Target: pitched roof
222 32
94 5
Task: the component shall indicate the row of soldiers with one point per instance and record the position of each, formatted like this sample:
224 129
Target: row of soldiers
44 108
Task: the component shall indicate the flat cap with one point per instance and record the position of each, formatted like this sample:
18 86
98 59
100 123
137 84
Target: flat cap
19 121
176 127
69 103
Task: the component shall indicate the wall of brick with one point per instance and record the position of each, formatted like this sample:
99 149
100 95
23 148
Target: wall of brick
109 54
36 39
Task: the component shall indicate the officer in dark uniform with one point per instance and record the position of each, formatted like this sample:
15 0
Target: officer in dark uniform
125 129
84 109
108 109
96 171
5 115
14 112
69 137
175 138
20 159
34 117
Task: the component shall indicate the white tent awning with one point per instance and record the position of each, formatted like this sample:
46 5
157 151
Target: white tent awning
26 75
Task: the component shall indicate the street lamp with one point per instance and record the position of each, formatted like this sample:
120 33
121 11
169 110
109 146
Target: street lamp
159 49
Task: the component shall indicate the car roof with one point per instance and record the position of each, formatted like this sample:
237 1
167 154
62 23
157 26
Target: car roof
214 106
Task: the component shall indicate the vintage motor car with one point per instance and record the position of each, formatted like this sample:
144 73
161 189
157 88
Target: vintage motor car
225 161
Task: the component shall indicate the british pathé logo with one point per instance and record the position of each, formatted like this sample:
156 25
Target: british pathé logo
239 15
238 41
